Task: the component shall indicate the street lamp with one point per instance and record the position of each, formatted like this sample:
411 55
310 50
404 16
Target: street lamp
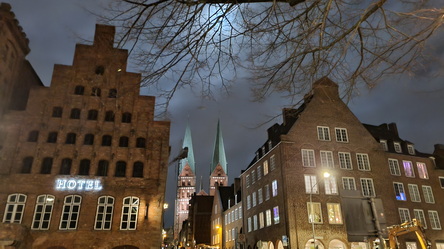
326 175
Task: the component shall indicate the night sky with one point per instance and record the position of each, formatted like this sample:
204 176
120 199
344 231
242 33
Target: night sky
416 104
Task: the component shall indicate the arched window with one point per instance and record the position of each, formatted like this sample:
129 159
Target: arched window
75 113
107 140
126 117
138 169
140 142
112 93
88 139
104 214
52 137
95 91
71 138
65 168
123 142
46 165
71 210
14 208
109 116
92 114
79 90
57 112
27 164
102 169
130 211
33 136
120 169
84 167
43 211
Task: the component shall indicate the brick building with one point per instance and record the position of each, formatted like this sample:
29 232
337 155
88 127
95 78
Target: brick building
85 164
288 203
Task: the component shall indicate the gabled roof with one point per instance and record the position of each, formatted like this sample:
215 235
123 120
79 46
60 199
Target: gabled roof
219 151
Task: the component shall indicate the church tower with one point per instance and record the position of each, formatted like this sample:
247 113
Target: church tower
186 183
218 170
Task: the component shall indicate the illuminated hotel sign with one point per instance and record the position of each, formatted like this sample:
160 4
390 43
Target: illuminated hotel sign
78 184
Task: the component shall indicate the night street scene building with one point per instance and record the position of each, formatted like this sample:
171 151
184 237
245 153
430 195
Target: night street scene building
84 164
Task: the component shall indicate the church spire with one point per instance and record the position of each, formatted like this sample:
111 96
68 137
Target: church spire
188 143
219 151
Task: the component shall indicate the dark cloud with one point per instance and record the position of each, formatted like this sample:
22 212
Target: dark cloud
415 104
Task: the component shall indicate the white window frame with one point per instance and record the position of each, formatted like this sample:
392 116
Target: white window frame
397 147
311 184
314 210
411 149
276 218
422 170
419 215
254 198
253 177
323 133
428 194
327 159
248 202
441 182
414 193
261 220
15 207
255 225
130 210
404 214
247 180
308 158
367 186
259 172
400 194
268 218
394 167
331 187
334 213
408 168
384 144
435 224
267 192
104 213
363 161
341 135
250 227
265 167
272 162
274 188
345 161
44 205
348 183
260 197
71 210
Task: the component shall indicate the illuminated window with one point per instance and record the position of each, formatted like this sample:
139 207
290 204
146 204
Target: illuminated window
27 165
75 113
428 194
274 188
254 222
33 136
434 220
399 191
411 149
397 146
419 215
367 187
126 117
123 141
71 210
345 160
52 137
308 158
314 212
92 115
79 90
140 142
265 167
394 167
261 220
120 169
107 140
14 208
414 193
334 213
311 185
71 138
404 214
109 116
363 162
384 145
84 167
341 135
65 168
46 165
138 170
268 218
57 112
348 183
130 211
104 214
43 211
323 133
331 188
102 169
408 169
422 171
88 139
327 159
276 215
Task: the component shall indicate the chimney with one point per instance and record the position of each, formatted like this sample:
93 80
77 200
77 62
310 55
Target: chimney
393 129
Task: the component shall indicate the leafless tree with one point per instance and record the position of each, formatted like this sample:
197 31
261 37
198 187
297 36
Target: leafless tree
279 46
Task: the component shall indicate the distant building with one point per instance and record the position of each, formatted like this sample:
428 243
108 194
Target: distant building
85 164
288 203
219 168
199 221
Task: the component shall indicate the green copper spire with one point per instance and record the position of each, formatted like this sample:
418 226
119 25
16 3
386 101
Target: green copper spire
187 142
219 151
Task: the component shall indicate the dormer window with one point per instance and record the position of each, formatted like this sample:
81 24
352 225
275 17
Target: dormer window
397 146
383 144
411 149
